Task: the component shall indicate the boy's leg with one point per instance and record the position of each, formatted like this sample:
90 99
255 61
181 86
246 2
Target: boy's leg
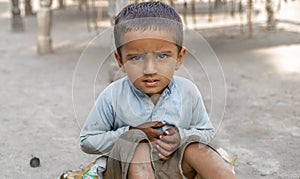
130 147
140 166
202 160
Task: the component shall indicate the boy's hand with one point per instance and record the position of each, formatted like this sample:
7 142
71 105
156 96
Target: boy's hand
168 143
150 129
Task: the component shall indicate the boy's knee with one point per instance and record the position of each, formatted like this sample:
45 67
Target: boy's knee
206 161
142 153
124 148
197 153
141 166
134 136
199 148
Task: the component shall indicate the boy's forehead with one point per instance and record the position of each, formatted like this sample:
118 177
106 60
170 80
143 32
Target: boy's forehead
148 34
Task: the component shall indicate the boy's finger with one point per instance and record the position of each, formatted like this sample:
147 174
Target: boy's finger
169 139
158 125
163 151
156 133
170 131
166 146
164 157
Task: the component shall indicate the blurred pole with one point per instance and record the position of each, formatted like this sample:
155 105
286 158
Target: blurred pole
44 21
249 17
270 15
193 3
17 21
209 11
218 3
185 12
28 8
61 4
115 6
241 11
232 11
172 3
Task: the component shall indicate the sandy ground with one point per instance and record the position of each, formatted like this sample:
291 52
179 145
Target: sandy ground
261 123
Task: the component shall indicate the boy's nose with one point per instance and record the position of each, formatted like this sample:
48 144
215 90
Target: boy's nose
150 66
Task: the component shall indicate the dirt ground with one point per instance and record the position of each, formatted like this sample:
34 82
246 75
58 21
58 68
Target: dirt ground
261 124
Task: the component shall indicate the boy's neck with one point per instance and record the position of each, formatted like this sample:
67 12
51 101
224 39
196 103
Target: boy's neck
155 98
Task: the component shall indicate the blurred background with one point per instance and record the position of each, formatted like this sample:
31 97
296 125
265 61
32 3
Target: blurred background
56 57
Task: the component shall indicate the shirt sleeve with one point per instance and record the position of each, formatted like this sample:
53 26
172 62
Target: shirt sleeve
200 123
97 135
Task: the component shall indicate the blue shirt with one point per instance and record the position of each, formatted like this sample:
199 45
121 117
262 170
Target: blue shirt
121 105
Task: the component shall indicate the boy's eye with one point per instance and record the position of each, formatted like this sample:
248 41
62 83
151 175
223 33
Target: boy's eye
157 56
162 56
137 57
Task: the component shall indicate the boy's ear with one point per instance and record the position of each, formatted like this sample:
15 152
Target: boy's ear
119 60
180 58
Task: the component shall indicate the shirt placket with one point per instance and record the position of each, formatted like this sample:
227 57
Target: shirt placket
157 111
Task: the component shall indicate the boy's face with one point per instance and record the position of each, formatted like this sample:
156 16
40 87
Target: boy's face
149 58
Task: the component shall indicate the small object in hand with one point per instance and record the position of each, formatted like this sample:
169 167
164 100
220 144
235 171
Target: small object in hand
35 162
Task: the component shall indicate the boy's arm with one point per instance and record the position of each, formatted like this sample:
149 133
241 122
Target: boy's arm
205 132
200 124
97 135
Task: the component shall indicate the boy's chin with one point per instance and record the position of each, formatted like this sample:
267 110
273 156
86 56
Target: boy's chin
151 92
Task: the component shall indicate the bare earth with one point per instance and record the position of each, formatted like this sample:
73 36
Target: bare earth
261 122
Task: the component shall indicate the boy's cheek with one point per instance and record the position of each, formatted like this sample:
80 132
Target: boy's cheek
133 69
133 74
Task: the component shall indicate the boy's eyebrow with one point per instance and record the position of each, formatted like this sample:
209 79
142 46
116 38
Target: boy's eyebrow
163 51
134 54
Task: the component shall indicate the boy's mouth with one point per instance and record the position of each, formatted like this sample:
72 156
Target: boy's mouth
150 82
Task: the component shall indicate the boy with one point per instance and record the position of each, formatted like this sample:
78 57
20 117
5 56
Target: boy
151 124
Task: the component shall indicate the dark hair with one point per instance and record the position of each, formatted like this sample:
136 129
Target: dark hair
148 16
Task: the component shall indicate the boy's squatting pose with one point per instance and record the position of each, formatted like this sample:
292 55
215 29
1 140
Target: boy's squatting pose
151 124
